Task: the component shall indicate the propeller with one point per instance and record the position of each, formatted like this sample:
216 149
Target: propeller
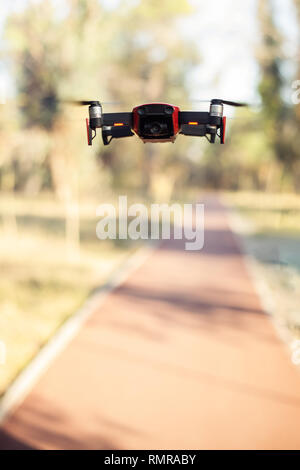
231 103
89 102
219 101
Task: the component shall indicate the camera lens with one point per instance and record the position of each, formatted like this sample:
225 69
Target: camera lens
155 128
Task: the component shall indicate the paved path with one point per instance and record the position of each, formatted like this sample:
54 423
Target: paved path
180 356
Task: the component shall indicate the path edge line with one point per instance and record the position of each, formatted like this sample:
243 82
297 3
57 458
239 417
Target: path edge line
29 376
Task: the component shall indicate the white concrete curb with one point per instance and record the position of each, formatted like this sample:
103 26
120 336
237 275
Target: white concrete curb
25 381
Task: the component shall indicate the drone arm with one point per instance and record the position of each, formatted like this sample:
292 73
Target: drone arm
116 126
198 117
193 123
115 132
197 123
193 129
111 119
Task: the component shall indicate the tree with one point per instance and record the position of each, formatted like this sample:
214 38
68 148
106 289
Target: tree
297 7
51 55
270 56
296 113
129 54
150 62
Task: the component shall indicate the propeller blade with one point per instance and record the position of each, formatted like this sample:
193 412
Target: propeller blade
89 102
229 103
79 102
234 103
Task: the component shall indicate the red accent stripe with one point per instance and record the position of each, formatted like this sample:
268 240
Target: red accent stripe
88 131
224 130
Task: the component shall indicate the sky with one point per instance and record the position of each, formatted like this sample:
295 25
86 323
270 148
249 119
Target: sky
228 36
225 31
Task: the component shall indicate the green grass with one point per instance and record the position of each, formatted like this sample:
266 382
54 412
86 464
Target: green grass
40 287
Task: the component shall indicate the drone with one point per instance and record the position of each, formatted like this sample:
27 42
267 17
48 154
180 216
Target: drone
157 122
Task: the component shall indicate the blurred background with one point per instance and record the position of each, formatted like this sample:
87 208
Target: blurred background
132 52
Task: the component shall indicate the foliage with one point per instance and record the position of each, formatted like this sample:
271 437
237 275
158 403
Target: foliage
130 54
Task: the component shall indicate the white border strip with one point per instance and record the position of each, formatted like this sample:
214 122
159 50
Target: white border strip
26 380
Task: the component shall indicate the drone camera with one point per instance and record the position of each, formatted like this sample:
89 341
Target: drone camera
155 121
155 129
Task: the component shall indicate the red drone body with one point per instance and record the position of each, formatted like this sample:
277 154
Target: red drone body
156 122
